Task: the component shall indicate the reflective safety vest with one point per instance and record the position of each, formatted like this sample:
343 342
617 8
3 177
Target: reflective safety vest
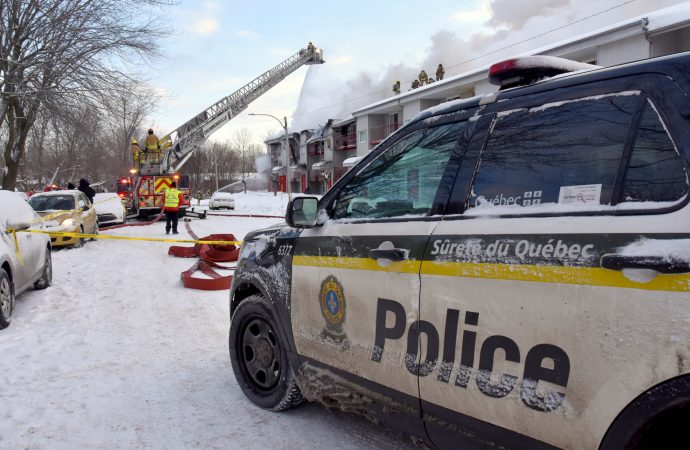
172 198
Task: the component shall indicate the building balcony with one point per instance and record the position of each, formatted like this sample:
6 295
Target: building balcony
346 142
377 134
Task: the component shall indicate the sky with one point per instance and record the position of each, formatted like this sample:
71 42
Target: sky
215 47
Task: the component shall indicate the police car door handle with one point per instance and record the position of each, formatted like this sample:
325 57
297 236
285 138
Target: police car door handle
659 264
393 254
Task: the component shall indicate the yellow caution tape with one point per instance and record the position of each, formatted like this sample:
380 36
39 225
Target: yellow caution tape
127 238
16 247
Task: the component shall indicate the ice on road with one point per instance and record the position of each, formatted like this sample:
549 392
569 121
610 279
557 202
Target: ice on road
117 354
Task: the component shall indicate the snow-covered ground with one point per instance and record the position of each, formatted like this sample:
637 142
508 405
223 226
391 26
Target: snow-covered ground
117 354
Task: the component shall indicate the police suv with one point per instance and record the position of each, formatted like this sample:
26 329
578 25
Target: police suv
507 271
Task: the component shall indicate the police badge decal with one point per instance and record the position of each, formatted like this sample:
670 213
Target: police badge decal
332 302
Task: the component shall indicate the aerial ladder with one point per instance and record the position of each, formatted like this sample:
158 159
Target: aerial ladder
146 187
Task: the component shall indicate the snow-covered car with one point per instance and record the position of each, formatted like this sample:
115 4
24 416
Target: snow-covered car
26 262
109 209
67 211
504 271
221 200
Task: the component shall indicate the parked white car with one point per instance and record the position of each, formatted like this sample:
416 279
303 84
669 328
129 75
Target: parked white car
221 200
34 267
109 208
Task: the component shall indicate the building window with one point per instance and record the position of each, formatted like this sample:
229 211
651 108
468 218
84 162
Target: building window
362 137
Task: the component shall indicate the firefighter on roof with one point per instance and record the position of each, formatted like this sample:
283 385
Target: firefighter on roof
423 78
415 84
396 87
440 72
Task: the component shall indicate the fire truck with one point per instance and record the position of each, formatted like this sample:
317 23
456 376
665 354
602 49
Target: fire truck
143 190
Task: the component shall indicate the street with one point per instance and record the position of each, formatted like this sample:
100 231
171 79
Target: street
117 354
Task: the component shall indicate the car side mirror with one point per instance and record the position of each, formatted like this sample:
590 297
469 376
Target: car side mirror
302 212
18 225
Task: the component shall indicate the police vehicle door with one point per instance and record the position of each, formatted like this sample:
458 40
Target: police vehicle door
542 344
355 281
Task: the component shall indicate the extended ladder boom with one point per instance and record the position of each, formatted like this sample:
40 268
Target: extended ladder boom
181 143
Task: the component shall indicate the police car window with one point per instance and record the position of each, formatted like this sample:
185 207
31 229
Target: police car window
564 153
403 180
655 172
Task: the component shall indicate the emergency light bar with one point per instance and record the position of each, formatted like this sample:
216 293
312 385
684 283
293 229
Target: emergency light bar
530 69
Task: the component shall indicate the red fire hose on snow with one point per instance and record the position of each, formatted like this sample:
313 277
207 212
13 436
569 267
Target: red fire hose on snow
209 258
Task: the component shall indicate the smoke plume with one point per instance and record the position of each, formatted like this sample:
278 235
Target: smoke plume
513 28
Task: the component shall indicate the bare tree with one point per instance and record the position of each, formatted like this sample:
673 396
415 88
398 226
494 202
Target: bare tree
243 145
126 110
57 52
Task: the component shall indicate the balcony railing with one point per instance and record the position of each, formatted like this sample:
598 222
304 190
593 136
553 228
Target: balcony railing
377 134
346 142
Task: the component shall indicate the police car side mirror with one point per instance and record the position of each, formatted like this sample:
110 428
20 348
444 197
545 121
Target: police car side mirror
302 212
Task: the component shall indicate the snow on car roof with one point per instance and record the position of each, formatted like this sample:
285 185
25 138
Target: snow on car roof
14 207
222 195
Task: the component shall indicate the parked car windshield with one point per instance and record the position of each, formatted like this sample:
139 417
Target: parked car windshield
52 202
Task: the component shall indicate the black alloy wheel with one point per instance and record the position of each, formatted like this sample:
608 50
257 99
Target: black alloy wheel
261 354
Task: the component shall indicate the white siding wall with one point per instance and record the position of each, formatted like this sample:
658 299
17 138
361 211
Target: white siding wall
328 146
671 42
630 49
665 44
410 109
482 87
684 40
363 126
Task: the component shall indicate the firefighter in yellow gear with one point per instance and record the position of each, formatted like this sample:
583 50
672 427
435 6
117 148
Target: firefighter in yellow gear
153 146
135 150
173 200
423 78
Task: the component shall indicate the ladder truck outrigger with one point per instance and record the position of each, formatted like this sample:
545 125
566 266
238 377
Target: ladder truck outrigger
144 190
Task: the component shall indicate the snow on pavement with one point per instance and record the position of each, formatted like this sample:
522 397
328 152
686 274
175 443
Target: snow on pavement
117 354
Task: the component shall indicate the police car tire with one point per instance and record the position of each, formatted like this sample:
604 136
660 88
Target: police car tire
285 394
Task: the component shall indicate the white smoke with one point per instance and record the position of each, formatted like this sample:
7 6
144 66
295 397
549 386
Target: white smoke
513 28
263 166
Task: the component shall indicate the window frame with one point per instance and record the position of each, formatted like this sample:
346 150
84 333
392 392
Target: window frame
448 177
649 92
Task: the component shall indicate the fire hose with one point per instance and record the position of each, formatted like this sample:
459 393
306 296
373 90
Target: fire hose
209 258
